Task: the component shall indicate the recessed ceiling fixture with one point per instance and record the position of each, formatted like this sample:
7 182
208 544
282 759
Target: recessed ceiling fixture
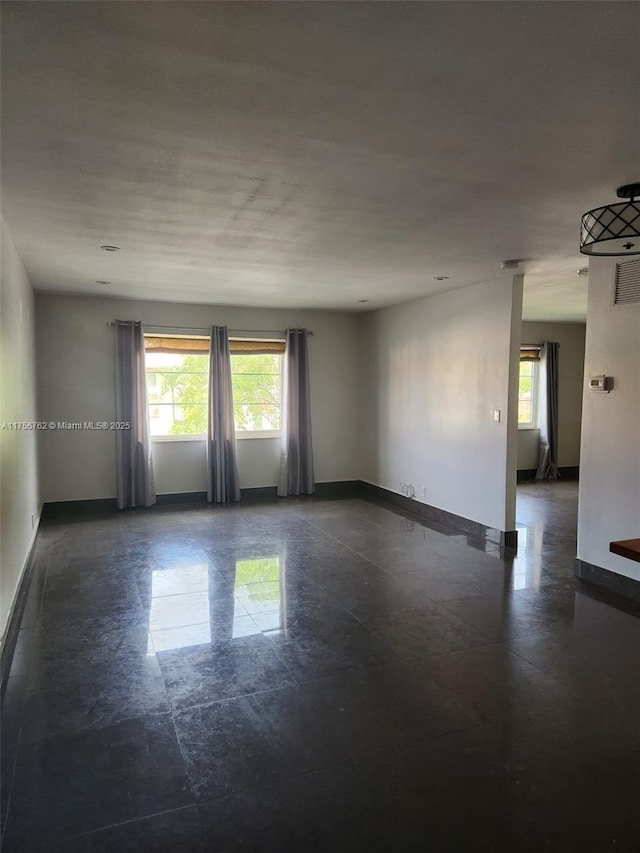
102 281
111 248
615 228
440 277
363 300
511 264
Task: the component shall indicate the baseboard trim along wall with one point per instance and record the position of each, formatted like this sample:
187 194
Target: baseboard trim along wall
269 494
605 579
527 475
339 489
64 510
342 489
14 621
426 512
181 498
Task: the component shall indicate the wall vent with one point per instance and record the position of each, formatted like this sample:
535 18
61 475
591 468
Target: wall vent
627 283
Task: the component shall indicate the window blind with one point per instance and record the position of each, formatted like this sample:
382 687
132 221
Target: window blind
530 353
183 346
255 347
191 345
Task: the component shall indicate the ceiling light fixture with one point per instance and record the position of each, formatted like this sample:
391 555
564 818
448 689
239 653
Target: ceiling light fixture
511 264
615 228
441 278
102 281
111 248
363 300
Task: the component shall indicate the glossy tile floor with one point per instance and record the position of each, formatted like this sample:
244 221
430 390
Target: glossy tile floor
319 676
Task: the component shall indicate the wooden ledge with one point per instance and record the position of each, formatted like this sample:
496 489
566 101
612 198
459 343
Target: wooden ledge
629 548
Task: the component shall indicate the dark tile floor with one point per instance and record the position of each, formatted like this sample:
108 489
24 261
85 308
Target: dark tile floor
319 676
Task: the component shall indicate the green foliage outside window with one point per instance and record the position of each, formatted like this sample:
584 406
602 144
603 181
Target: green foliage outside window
256 391
525 392
178 393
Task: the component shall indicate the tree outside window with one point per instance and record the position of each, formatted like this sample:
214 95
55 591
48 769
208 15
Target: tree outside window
527 393
256 380
177 390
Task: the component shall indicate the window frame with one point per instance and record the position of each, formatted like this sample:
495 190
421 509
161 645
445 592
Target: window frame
241 435
249 434
180 437
535 366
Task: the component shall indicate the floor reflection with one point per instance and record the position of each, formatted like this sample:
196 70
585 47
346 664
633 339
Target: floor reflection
258 589
196 604
180 614
527 564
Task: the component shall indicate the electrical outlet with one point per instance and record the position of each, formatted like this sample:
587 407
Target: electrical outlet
497 414
33 521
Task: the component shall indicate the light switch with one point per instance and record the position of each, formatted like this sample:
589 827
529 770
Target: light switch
496 416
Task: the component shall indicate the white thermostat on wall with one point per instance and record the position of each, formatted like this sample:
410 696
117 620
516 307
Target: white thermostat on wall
600 383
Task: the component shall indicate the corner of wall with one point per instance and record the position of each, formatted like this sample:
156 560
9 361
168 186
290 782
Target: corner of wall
609 495
511 461
19 489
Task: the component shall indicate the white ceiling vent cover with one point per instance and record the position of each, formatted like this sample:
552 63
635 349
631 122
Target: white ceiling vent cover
627 283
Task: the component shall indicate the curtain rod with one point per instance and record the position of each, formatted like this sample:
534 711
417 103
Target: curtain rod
532 346
231 331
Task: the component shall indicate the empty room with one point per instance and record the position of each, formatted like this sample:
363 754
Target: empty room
319 446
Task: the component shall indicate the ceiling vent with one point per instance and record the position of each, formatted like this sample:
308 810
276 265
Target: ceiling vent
627 284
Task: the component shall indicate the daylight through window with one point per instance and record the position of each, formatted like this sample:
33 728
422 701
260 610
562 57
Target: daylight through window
527 390
177 392
257 381
177 385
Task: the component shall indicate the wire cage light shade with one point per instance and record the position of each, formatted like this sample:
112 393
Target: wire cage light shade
613 229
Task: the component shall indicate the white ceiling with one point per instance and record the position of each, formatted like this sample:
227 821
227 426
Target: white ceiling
314 154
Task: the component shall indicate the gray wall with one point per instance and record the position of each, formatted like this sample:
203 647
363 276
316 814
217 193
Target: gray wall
571 337
19 501
609 500
76 383
433 371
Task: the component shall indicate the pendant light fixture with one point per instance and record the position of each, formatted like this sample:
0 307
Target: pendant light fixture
615 228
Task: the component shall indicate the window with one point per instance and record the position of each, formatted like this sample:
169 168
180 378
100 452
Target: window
177 385
528 388
177 382
257 399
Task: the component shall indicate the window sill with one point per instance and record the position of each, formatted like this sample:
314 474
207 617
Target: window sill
264 434
239 435
162 438
528 427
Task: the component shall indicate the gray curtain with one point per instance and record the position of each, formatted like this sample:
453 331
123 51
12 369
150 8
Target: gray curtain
134 467
548 412
223 483
296 461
